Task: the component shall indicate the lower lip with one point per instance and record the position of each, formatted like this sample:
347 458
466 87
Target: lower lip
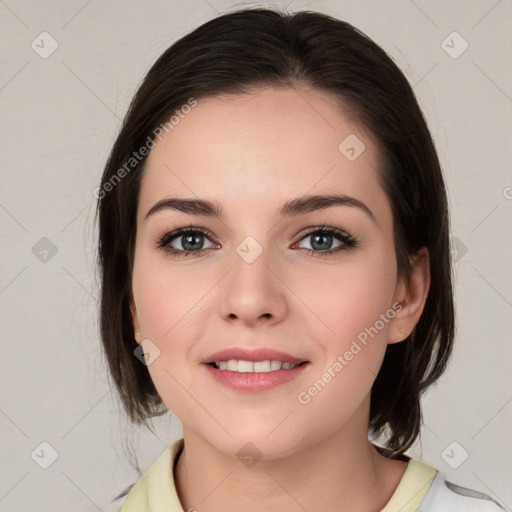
255 382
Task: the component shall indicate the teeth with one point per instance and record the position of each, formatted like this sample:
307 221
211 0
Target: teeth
242 366
275 365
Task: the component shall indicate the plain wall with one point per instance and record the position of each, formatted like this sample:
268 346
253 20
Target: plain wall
60 116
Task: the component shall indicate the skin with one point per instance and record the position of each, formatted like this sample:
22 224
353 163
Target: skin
251 153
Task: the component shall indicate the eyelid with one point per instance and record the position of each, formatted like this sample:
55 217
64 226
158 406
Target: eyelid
347 240
168 236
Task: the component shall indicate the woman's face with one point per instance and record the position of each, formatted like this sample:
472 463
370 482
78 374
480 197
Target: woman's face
256 279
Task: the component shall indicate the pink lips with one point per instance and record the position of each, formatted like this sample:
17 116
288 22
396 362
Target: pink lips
254 381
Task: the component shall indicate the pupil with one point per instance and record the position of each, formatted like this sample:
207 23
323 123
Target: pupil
320 237
186 245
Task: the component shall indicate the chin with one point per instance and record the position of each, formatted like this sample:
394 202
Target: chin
254 444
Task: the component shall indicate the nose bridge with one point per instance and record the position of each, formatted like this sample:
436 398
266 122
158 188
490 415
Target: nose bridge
252 238
251 261
251 288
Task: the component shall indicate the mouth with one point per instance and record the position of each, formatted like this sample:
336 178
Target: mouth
244 366
249 359
254 370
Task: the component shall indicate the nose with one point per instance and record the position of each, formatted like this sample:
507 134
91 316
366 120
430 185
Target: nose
253 292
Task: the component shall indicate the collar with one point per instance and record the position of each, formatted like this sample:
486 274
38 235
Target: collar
156 491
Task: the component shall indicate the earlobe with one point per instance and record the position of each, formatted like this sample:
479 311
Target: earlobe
412 295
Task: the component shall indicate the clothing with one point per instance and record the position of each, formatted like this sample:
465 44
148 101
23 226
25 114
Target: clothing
421 489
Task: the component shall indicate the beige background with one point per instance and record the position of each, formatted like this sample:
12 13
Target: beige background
60 115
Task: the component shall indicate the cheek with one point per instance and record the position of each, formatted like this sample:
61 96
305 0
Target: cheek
346 299
167 296
170 309
354 308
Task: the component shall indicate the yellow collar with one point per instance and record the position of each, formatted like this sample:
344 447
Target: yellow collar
155 491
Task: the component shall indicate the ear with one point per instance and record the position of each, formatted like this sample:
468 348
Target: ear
135 320
412 294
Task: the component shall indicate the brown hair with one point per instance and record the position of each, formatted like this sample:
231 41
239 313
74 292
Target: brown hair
239 52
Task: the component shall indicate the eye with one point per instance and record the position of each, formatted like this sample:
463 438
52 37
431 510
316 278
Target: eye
323 236
188 240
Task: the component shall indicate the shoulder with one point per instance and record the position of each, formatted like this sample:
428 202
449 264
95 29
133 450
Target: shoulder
155 489
446 496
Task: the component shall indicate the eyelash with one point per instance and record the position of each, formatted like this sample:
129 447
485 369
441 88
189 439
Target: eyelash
349 242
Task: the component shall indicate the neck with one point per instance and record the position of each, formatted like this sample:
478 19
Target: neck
342 472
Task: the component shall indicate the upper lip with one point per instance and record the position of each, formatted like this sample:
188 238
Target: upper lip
252 354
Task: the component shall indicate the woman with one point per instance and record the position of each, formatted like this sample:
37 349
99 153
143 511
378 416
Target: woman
274 248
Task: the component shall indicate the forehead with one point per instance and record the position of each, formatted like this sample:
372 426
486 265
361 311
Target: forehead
256 149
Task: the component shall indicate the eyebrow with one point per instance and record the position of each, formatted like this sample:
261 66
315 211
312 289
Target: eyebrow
293 207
